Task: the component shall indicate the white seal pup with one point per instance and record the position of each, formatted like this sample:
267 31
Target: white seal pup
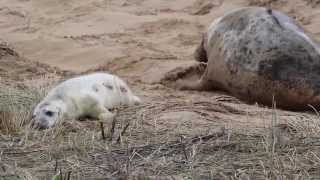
88 95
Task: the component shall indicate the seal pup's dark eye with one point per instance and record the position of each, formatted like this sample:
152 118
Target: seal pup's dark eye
49 113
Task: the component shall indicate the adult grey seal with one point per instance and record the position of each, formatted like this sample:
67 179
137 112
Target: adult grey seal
258 54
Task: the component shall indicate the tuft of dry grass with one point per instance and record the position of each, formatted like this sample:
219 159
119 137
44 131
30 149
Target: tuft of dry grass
16 107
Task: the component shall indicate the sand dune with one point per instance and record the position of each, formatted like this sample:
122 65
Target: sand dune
141 38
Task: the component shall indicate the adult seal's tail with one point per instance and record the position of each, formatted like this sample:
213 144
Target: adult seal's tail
259 54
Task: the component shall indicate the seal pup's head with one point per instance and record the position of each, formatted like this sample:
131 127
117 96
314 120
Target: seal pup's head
46 114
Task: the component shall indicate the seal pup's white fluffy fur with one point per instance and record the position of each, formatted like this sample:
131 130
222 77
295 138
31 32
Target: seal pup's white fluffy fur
88 95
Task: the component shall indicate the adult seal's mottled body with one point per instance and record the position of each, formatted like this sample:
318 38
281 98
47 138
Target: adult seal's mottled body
257 54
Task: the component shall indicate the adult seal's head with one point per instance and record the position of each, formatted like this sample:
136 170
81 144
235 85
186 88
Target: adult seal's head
259 54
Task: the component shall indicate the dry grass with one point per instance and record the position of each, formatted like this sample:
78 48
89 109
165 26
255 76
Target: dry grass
15 108
267 3
142 147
